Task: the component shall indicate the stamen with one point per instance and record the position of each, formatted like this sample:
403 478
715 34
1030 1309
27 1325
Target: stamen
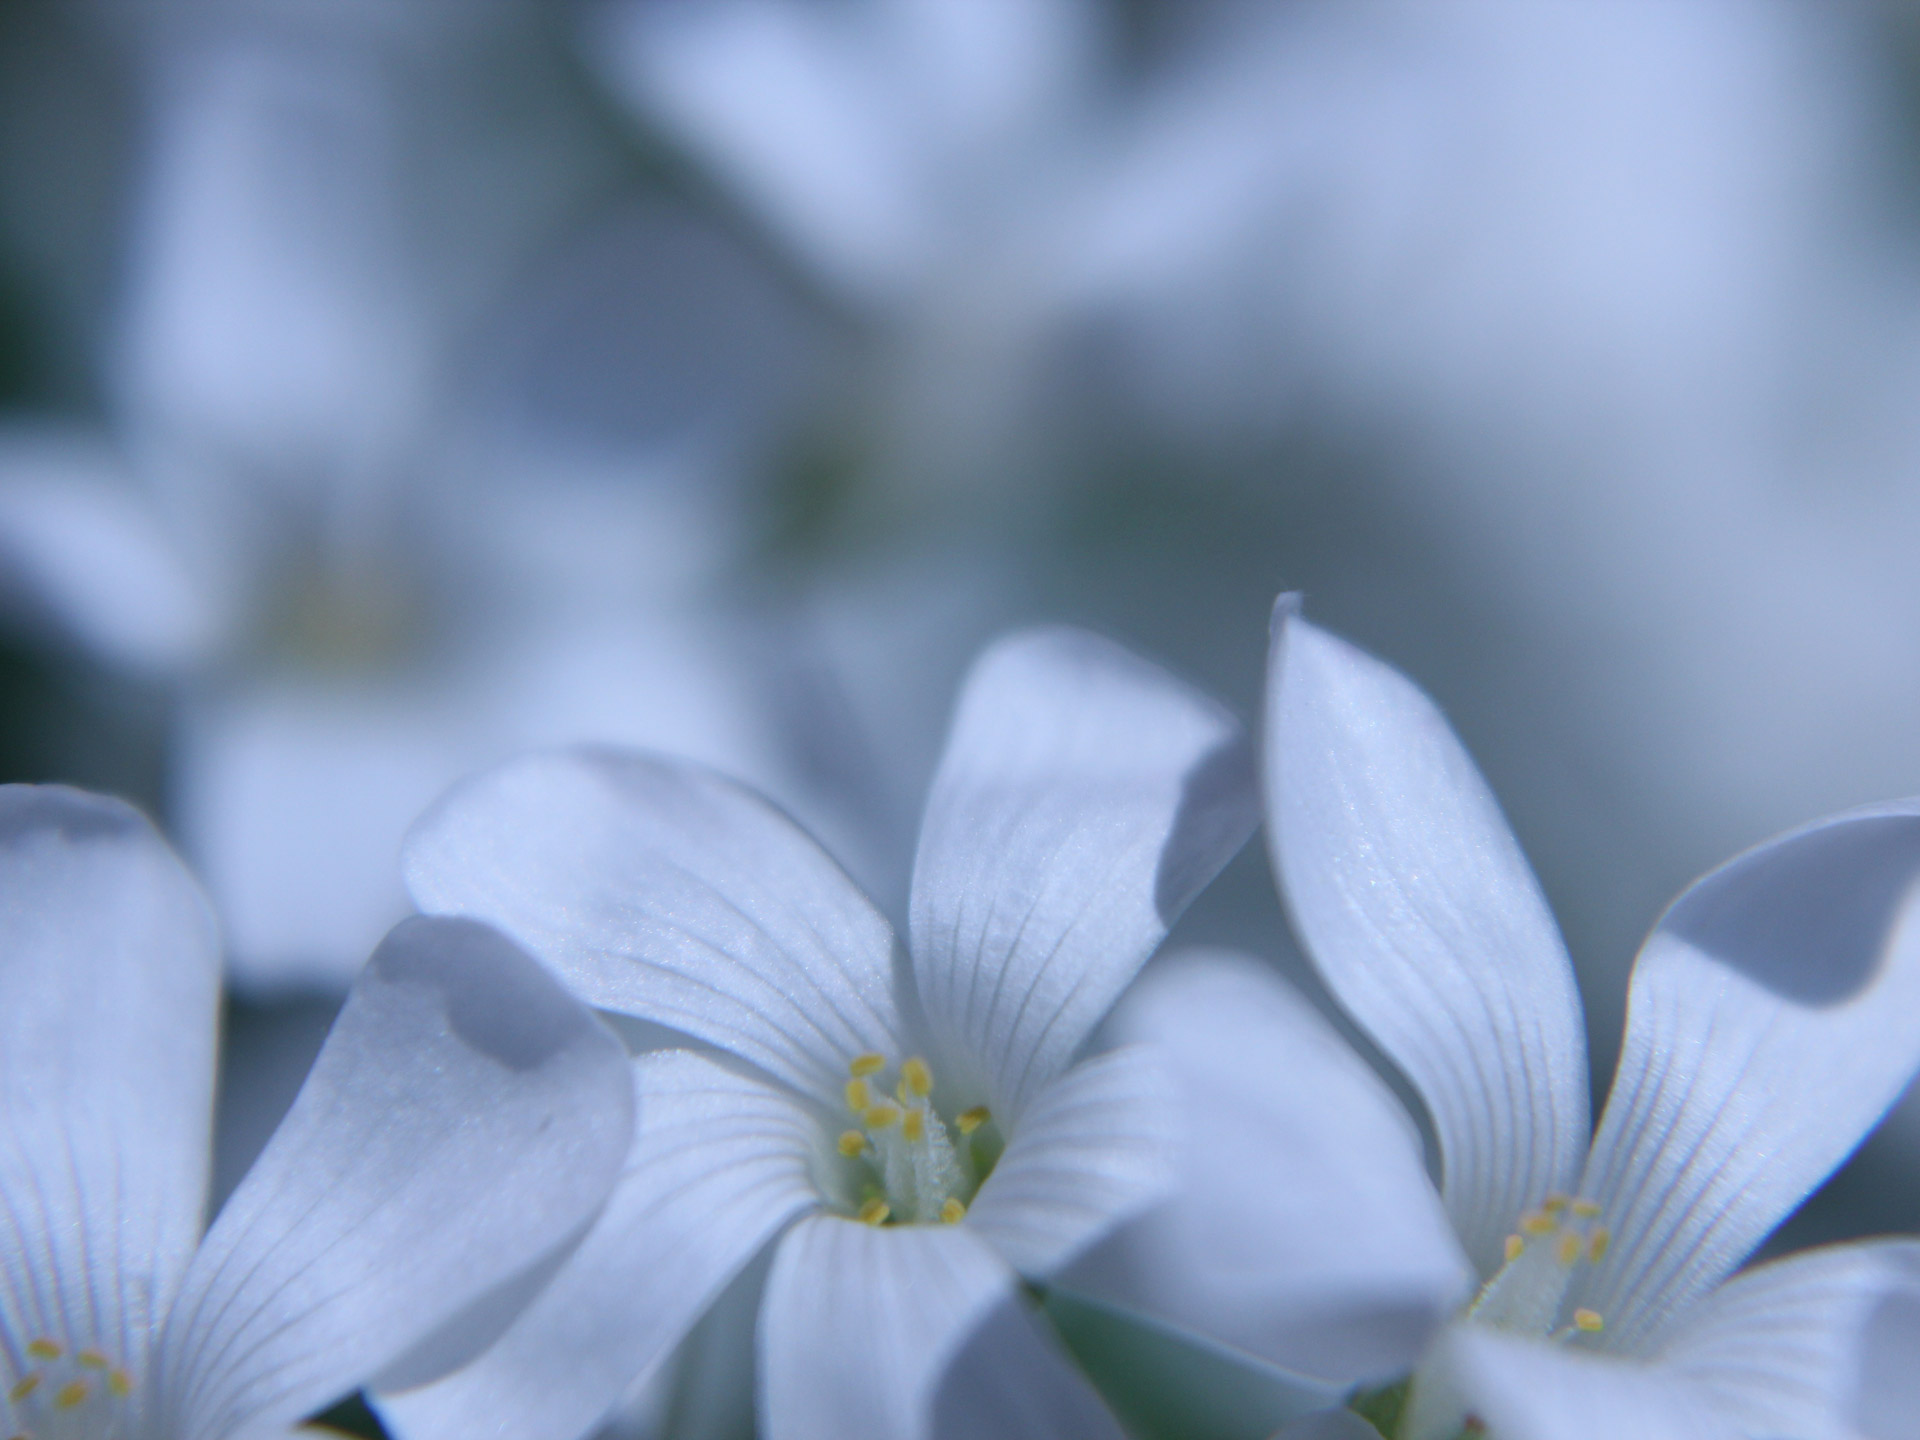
879 1117
1569 1248
859 1095
24 1387
971 1120
1537 1222
44 1349
1554 1203
875 1211
917 1076
1516 1247
913 1125
852 1142
71 1394
119 1384
1597 1244
1589 1321
862 1066
92 1359
1586 1209
953 1212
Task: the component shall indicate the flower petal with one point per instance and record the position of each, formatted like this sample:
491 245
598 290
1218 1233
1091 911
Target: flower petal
861 1324
1084 799
661 890
1304 1230
1780 1345
83 547
719 1162
1526 1389
1011 1380
465 1117
1167 1383
1412 898
1094 1148
109 995
1773 1016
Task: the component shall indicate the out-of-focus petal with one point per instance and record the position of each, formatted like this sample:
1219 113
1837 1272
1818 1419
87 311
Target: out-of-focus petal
718 1163
1525 1389
1094 1148
1411 896
860 1323
661 890
1780 1347
1084 799
465 1118
82 547
1304 1229
1773 1016
1167 1383
1010 1380
109 993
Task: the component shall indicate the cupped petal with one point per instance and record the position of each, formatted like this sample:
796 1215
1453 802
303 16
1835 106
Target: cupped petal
1414 902
1094 1148
719 1162
1525 1389
862 1325
1303 1229
465 1118
109 997
1772 1017
659 889
1781 1347
1084 799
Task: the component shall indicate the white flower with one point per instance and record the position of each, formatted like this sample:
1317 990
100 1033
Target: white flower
1774 1014
349 509
464 1119
1083 800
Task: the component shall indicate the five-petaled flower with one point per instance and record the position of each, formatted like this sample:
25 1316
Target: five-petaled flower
1551 1289
914 1129
465 1118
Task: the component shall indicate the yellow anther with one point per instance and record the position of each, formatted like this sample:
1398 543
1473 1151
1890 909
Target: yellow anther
119 1383
23 1388
1589 1321
1537 1222
92 1359
867 1064
875 1212
1554 1203
879 1117
1597 1243
1586 1209
917 1076
859 1095
44 1349
1515 1248
913 1125
972 1120
73 1393
851 1143
1568 1249
953 1212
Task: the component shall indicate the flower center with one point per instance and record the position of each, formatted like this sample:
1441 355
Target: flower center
904 1162
1543 1255
64 1394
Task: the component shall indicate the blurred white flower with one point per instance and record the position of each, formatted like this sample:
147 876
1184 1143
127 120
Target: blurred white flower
465 1118
1774 1016
916 1126
391 494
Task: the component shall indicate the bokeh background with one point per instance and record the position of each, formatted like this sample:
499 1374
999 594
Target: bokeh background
389 385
